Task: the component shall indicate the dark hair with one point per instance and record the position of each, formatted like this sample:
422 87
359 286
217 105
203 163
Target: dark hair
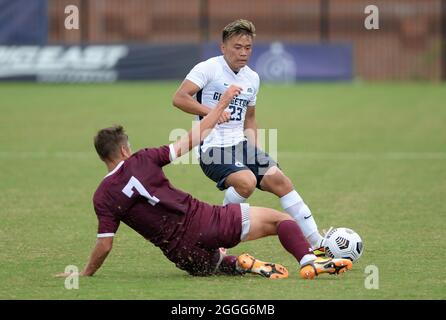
108 141
238 27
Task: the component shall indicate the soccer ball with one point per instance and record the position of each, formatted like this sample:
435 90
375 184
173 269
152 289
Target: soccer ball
343 243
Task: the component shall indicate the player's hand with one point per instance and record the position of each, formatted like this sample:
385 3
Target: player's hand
232 92
225 117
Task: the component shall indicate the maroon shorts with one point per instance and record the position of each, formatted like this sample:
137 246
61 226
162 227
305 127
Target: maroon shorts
211 228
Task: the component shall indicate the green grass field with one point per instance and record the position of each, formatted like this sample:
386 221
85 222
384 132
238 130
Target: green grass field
368 156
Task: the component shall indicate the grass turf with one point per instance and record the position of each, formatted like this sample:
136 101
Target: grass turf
368 156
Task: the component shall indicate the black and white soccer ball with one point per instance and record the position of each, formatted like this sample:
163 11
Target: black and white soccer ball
343 243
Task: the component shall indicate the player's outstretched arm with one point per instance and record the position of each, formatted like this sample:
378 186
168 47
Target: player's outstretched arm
100 252
205 126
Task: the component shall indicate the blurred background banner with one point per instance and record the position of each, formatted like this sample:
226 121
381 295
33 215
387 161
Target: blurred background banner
97 63
275 62
410 43
61 63
23 21
287 62
158 61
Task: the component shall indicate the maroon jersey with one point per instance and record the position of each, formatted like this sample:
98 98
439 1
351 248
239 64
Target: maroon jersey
138 193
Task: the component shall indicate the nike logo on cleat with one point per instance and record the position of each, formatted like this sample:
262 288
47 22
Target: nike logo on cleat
307 217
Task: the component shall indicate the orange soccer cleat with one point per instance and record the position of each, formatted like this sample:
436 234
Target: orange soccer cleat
247 263
325 265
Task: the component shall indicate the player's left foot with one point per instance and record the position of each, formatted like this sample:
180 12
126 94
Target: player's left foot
247 263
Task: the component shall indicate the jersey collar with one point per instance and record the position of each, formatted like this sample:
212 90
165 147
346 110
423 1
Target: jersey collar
229 68
115 169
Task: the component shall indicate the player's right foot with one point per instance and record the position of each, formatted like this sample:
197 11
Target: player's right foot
247 263
325 265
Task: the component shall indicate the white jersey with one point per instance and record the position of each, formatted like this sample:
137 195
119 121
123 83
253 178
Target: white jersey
214 76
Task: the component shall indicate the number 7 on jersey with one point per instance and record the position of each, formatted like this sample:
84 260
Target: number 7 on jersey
135 183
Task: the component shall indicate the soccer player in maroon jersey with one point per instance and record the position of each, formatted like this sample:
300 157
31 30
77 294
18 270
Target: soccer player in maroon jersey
188 231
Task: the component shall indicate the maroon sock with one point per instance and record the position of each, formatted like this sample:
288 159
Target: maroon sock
292 239
228 265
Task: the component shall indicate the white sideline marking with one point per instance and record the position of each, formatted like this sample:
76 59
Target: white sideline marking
81 155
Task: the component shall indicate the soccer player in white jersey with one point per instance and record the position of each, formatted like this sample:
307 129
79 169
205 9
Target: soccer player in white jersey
229 155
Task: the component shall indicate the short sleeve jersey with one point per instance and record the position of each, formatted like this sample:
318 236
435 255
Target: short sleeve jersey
138 193
213 77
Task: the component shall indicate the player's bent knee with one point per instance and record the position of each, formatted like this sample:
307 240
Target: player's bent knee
244 184
283 217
